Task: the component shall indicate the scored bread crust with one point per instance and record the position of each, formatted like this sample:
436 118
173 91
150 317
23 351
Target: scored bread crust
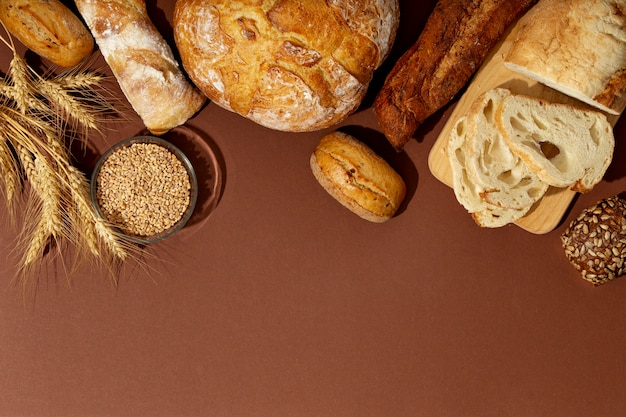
502 177
565 146
142 62
577 47
285 64
48 28
455 42
358 178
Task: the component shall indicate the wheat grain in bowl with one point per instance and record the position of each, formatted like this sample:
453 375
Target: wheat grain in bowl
146 187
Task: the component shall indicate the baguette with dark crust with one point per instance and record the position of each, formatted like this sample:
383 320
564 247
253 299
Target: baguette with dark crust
455 42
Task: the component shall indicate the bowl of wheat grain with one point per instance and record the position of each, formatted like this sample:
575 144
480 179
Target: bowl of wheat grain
145 187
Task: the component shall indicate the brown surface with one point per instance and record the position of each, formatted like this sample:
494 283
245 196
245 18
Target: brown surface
283 303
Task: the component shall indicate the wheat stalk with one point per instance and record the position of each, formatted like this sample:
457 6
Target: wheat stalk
39 115
9 175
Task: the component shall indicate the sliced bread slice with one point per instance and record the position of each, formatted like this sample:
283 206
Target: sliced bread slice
565 146
467 193
502 177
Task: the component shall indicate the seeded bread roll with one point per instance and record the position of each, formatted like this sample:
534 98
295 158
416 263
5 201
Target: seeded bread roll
357 177
142 62
595 242
289 65
49 29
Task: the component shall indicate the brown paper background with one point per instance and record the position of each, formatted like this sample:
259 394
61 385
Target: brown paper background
280 302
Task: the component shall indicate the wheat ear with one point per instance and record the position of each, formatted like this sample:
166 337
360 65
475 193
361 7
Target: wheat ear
9 175
46 188
94 228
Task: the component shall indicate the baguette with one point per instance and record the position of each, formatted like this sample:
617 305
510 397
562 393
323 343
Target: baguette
454 43
48 28
142 62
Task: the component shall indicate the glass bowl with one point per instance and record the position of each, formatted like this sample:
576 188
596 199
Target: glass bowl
132 172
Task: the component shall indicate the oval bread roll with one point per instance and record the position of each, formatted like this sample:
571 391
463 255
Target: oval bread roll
357 177
49 29
289 65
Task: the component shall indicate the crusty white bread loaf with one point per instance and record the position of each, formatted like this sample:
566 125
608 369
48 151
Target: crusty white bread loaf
502 177
564 145
142 62
358 178
577 47
289 65
467 192
48 28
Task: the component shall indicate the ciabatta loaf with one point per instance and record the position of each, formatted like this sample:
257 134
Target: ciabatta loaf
468 193
359 179
48 28
502 177
142 62
577 47
564 145
289 65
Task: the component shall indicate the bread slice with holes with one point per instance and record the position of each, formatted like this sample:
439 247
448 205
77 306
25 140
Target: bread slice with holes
565 146
468 193
502 177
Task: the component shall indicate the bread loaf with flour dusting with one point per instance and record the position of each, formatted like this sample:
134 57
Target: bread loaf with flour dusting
288 65
577 47
142 62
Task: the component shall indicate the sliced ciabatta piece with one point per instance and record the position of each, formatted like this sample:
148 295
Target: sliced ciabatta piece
502 178
577 47
565 146
467 192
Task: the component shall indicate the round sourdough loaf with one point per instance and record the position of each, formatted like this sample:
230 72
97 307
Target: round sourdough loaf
357 177
289 65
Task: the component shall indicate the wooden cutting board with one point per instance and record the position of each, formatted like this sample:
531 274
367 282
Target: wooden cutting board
548 212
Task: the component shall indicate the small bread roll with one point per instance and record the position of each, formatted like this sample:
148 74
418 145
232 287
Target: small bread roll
595 242
357 177
49 29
